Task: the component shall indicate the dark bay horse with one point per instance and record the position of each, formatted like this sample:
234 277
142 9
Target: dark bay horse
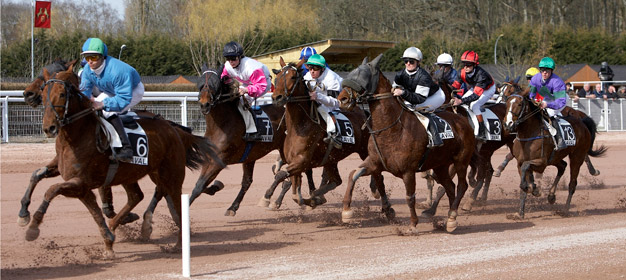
32 97
304 146
83 157
398 142
534 148
225 128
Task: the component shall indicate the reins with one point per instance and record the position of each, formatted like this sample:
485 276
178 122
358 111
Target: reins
221 97
66 119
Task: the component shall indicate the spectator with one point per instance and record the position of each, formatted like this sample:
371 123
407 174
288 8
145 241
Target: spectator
569 89
598 91
621 92
605 73
609 94
586 92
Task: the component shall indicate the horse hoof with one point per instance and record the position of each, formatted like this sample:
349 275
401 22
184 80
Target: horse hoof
390 214
428 212
515 216
264 202
32 234
230 212
467 206
451 225
307 208
108 255
423 205
346 216
273 205
496 173
412 231
596 174
376 194
131 217
23 221
146 226
551 198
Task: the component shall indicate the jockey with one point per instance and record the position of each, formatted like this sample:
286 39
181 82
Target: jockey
444 62
255 81
530 73
113 86
416 86
324 85
480 88
548 90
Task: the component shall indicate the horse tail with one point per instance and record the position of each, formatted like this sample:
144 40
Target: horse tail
593 129
199 150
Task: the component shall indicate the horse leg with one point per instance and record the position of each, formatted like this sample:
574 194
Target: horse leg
106 196
73 188
432 210
487 183
279 200
146 226
560 171
347 213
430 183
592 170
134 196
503 165
48 171
374 187
378 181
207 175
246 181
280 177
309 179
409 184
523 187
574 169
334 180
174 206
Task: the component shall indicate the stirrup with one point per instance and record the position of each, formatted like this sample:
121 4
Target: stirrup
125 154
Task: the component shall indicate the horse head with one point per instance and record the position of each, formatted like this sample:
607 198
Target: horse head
289 82
209 87
517 104
361 83
62 99
32 93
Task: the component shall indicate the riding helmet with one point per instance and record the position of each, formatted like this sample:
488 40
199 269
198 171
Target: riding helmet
317 60
94 46
414 53
233 49
470 56
547 62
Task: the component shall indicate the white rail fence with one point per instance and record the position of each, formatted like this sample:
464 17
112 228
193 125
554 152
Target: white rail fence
22 123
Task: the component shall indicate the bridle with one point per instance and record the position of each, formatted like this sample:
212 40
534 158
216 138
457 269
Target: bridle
221 97
289 93
68 87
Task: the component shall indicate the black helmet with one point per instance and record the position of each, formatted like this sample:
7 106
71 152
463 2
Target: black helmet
233 49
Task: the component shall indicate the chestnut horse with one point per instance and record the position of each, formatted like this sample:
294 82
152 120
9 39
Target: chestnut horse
534 148
83 156
225 128
32 97
304 145
398 142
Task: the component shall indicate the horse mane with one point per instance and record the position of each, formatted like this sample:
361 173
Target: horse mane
56 66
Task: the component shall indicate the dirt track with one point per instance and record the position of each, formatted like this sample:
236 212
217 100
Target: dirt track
293 243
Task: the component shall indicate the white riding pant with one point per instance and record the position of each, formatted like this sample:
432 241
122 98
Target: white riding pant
138 92
247 115
433 102
475 106
330 124
554 112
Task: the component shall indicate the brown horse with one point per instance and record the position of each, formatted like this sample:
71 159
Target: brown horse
84 159
225 128
32 97
392 124
534 148
304 146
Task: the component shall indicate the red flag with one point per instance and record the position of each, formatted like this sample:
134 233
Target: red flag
42 14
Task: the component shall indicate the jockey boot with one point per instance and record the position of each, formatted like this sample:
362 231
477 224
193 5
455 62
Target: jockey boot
559 144
333 140
482 130
125 154
435 138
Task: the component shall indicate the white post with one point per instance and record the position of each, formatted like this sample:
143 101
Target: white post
183 113
184 202
32 40
5 119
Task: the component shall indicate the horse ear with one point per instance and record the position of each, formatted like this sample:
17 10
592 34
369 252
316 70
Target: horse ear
299 65
204 67
46 74
506 79
282 62
275 71
376 60
71 68
73 62
517 80
365 60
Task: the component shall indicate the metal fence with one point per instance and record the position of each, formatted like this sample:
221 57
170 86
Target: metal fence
22 123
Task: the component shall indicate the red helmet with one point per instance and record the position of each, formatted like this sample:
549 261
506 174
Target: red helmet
470 56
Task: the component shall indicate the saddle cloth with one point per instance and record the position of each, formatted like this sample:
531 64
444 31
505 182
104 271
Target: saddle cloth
263 123
567 131
345 130
136 135
492 123
443 127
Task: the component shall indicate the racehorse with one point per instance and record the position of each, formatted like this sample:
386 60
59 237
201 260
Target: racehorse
304 146
83 156
225 128
398 142
32 97
534 148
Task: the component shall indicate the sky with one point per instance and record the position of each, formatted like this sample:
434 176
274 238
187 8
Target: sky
118 5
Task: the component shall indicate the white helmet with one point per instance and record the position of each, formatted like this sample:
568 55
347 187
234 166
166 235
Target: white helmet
445 59
413 53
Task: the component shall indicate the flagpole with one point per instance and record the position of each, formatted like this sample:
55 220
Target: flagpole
32 40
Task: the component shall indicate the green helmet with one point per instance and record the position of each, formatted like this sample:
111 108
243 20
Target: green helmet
547 62
317 60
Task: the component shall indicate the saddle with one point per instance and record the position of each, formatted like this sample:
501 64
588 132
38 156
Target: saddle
136 135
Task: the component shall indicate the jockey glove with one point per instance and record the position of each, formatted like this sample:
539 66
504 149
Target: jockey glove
469 99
